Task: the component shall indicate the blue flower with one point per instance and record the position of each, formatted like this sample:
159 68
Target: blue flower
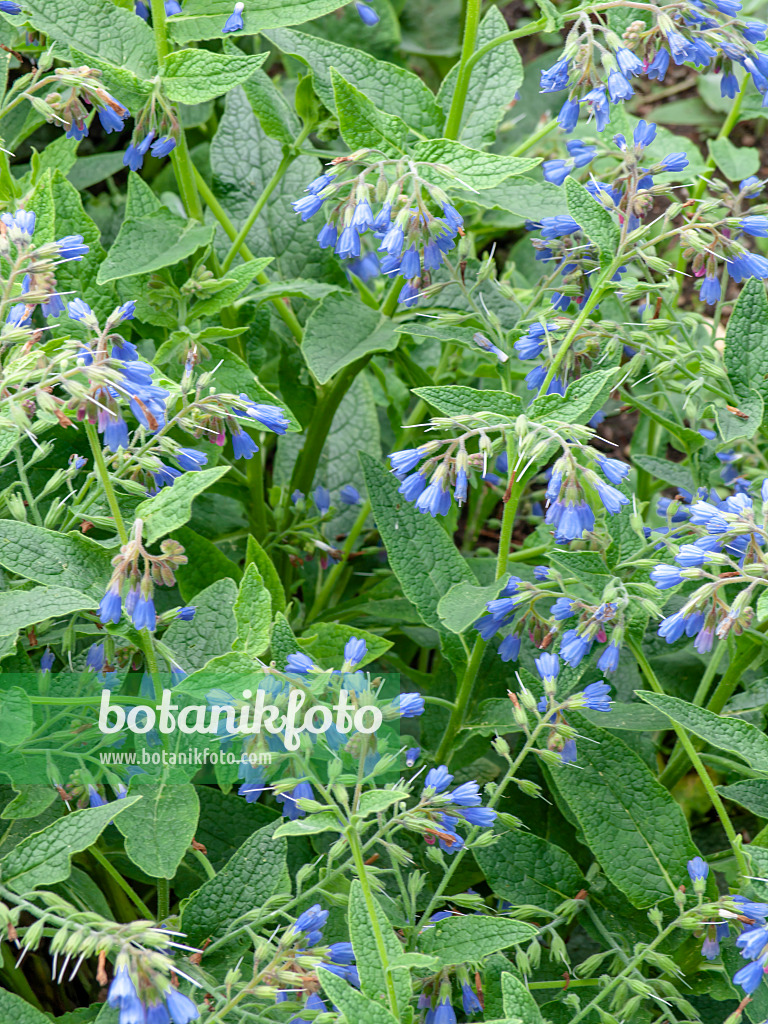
598 104
111 605
190 460
548 666
574 647
613 469
596 696
243 445
562 608
393 241
438 779
698 869
187 613
299 662
9 7
348 244
710 290
133 158
409 705
95 658
163 146
666 576
234 22
412 486
412 755
307 206
111 121
509 648
752 942
610 497
435 499
658 67
469 1000
555 79
466 795
302 791
672 627
322 499
180 1007
172 7
95 799
326 237
444 1013
568 753
341 953
749 977
609 659
675 162
311 920
270 416
47 660
354 651
79 310
143 616
121 989
367 14
569 115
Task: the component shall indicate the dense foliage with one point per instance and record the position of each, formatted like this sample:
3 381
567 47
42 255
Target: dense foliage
384 497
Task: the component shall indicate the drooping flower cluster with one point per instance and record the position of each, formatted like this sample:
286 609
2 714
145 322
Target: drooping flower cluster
439 812
597 66
388 208
753 943
135 585
721 544
302 955
141 993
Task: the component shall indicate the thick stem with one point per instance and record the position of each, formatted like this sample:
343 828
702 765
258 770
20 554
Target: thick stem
471 24
163 899
693 755
118 879
320 424
285 312
106 482
373 913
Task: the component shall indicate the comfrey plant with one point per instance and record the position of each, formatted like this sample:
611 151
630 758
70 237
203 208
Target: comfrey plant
383 512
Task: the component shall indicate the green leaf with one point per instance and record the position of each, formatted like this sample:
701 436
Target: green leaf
236 281
455 940
43 859
670 472
390 88
255 553
364 943
99 29
277 118
689 440
16 718
22 608
45 556
203 19
171 507
518 1001
582 398
194 76
377 800
248 879
628 718
159 828
355 1007
527 870
736 162
464 603
725 733
206 564
212 630
18 1010
313 824
90 170
327 639
749 793
283 641
746 341
587 566
342 330
495 78
420 552
313 291
524 197
457 400
160 240
467 166
253 613
593 219
362 124
632 824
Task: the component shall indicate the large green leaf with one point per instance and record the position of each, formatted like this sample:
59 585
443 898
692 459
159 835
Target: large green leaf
525 869
159 828
368 956
723 732
467 166
253 613
362 124
204 19
43 858
250 877
749 793
171 507
69 560
212 630
355 1006
455 940
390 88
160 240
342 330
632 824
593 219
518 1001
21 608
194 76
746 341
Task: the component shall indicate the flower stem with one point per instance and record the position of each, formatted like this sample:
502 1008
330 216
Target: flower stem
22 469
373 913
163 899
285 312
695 760
330 581
106 482
118 879
471 24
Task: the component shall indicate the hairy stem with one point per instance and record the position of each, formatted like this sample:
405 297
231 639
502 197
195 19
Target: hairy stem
471 24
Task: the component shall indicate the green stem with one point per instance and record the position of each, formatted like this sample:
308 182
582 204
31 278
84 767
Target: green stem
515 33
289 155
330 581
158 27
471 24
678 763
693 755
320 424
24 480
163 899
208 868
537 136
373 913
118 879
285 312
255 472
106 482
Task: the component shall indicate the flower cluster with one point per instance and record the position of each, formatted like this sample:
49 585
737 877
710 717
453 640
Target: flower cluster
385 208
720 544
753 943
142 994
598 72
303 954
136 585
439 812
